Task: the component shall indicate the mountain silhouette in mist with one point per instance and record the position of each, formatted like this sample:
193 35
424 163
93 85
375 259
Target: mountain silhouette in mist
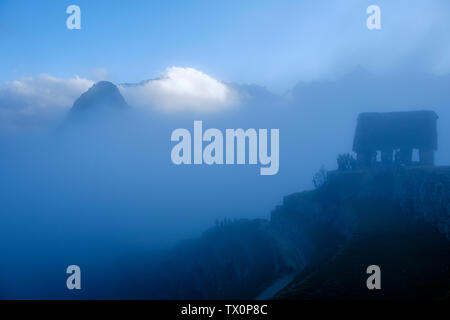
102 98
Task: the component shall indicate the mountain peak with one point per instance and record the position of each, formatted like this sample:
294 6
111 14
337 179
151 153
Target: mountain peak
103 95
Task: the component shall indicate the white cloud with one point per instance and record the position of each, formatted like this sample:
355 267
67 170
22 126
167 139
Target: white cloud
31 95
177 89
181 89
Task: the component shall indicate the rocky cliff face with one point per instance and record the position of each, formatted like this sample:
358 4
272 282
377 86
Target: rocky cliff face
421 192
397 217
425 192
310 226
401 220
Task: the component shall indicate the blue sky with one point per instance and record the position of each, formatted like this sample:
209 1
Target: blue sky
272 43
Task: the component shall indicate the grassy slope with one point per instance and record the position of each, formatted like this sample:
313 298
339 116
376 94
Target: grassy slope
414 260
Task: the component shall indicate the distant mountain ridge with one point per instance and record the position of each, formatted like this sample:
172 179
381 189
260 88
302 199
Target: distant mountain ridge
358 90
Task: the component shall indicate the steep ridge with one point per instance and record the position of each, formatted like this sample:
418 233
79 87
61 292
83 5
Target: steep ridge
403 239
328 237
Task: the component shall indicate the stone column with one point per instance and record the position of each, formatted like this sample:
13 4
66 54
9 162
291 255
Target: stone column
386 156
426 157
406 156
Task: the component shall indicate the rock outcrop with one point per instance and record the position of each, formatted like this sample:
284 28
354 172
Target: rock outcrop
425 192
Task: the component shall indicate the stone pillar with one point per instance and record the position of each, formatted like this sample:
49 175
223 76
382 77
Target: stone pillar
426 157
386 156
406 156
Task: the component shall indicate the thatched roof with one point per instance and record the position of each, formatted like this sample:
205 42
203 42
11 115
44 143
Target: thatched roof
378 131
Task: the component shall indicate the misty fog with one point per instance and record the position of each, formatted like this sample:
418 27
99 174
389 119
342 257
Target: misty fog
103 193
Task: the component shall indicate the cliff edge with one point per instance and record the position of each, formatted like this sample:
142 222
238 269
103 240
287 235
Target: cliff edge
402 218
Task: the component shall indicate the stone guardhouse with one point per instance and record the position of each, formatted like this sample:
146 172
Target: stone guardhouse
391 137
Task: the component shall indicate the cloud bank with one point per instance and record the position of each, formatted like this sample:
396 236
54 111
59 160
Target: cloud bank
181 89
31 95
178 89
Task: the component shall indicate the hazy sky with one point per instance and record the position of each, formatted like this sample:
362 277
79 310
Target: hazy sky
91 194
272 43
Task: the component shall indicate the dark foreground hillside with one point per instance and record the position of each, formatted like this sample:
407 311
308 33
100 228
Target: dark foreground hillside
413 257
324 240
